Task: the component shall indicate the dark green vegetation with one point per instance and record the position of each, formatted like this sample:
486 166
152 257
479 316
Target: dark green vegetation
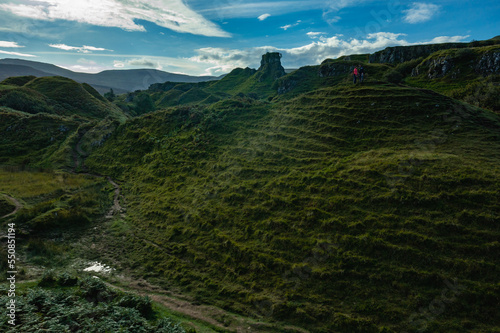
66 303
54 204
41 140
5 206
301 199
56 95
343 209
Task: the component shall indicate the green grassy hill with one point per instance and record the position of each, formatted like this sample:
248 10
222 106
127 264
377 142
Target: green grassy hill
41 140
56 95
297 199
346 209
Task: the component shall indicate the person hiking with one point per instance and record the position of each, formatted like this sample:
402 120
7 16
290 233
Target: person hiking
355 74
361 74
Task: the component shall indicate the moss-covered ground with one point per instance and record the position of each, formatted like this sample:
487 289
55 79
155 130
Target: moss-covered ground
305 204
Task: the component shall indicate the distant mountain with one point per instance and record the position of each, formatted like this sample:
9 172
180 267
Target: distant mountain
121 81
7 70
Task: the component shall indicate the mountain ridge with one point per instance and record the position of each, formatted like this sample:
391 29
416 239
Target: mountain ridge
121 81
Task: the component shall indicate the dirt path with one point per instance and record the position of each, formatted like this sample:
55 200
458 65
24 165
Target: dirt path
16 203
213 316
180 306
79 156
116 208
79 149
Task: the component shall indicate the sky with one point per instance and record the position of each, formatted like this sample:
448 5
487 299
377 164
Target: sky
200 37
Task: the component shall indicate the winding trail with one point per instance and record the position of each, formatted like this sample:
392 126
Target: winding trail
116 208
79 156
16 203
211 315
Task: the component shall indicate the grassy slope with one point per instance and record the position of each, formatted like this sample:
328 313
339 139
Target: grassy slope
328 74
81 99
462 81
54 203
56 95
256 84
41 140
344 209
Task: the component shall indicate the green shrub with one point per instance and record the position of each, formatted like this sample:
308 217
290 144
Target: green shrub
49 279
407 67
393 76
141 304
465 53
95 290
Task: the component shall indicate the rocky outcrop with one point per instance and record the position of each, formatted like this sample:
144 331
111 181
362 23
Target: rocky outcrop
461 62
436 68
270 67
328 69
399 54
286 85
489 64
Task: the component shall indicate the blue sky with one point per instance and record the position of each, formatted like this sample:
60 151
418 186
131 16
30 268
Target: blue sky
200 37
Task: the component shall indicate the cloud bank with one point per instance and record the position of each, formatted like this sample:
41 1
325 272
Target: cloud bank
171 14
223 60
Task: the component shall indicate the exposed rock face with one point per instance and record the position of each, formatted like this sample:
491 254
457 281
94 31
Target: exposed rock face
436 68
270 66
334 69
486 64
489 64
286 86
399 54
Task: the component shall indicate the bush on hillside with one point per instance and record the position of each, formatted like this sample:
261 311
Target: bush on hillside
393 76
86 306
407 67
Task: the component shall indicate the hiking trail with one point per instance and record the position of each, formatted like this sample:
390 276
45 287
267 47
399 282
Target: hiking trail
79 156
16 203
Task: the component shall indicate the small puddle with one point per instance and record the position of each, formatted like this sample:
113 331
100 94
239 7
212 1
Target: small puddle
98 268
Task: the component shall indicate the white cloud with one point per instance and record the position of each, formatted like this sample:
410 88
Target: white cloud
420 12
288 26
171 14
9 44
118 64
17 54
447 39
224 60
331 20
82 49
263 17
313 34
